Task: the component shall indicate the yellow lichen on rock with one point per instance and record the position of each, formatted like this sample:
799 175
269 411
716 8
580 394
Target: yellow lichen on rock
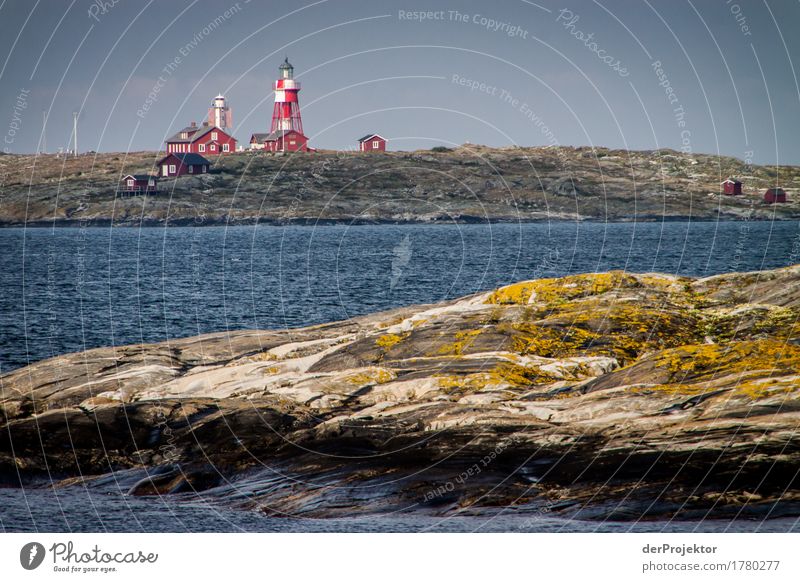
506 375
371 376
463 339
389 340
450 382
518 376
562 289
518 294
765 356
548 342
766 388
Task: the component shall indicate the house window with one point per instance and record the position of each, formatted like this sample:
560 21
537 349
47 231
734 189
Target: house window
375 144
213 147
204 168
214 136
202 147
130 183
226 147
172 168
191 169
184 135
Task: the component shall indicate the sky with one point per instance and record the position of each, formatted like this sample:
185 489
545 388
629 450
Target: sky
713 76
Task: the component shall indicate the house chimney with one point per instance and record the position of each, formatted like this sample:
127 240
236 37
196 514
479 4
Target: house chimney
205 124
194 124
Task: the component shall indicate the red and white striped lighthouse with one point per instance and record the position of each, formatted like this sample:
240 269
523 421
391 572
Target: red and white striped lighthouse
286 113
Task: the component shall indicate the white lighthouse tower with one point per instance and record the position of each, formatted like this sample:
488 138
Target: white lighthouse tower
219 114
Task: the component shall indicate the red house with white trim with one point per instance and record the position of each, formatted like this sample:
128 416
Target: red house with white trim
179 164
205 139
372 142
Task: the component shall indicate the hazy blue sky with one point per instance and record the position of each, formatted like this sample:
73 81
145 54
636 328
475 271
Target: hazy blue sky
370 66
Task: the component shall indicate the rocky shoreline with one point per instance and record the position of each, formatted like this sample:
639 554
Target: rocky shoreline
470 183
461 220
600 396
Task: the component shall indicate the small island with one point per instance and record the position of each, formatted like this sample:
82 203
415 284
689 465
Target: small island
469 183
595 396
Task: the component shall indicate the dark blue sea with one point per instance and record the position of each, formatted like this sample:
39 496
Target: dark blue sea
65 290
69 289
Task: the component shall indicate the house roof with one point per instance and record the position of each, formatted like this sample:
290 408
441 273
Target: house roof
731 181
195 133
189 130
775 190
274 135
370 136
188 159
138 177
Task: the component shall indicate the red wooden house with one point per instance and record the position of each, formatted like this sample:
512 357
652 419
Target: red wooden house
372 142
731 187
280 141
179 164
774 195
134 184
205 139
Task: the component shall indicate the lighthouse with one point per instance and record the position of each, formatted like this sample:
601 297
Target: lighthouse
286 113
286 132
219 114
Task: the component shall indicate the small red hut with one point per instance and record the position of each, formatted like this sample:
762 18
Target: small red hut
134 184
774 195
372 142
731 187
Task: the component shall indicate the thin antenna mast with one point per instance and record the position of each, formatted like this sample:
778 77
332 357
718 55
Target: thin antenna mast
75 132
